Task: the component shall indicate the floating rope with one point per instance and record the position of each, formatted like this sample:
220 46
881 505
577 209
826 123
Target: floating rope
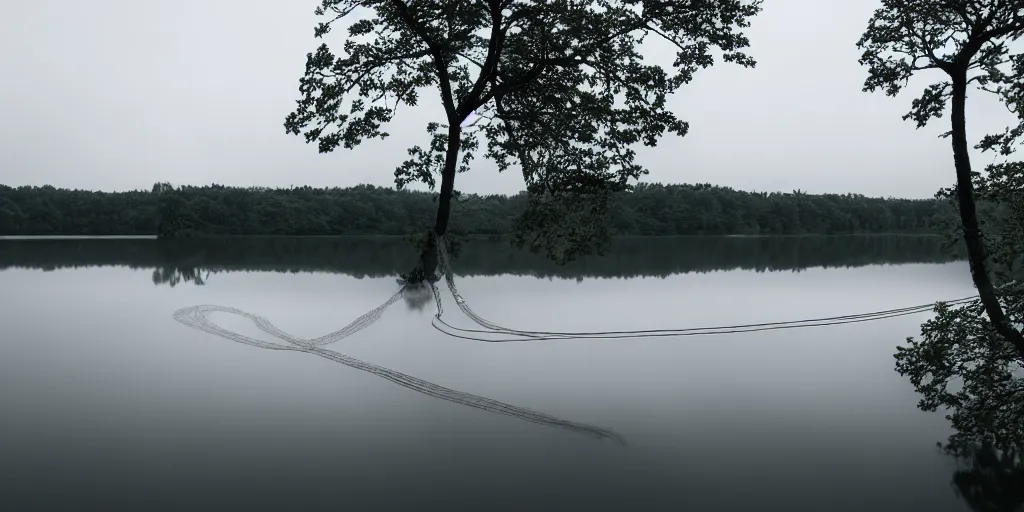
197 317
489 327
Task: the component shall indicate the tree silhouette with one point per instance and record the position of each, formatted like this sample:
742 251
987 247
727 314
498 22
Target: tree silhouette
969 41
962 364
560 86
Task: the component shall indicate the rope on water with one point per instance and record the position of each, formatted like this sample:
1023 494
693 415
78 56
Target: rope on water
520 335
198 317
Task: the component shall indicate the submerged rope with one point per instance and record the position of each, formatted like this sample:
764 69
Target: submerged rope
197 317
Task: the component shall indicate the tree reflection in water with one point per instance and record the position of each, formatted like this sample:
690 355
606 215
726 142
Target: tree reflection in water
172 276
989 480
417 296
986 479
386 257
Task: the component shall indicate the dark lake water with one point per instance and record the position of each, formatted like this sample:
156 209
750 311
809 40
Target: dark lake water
110 404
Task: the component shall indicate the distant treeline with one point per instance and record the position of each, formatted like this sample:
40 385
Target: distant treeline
649 210
189 260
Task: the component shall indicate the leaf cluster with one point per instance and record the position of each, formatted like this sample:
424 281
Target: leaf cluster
969 40
561 85
960 363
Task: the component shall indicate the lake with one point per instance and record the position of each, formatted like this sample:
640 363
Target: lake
110 404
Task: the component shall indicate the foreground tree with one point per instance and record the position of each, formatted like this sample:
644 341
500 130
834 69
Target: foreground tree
969 41
961 363
559 85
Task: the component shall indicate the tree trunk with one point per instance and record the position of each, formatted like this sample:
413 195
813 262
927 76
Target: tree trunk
451 162
428 255
969 218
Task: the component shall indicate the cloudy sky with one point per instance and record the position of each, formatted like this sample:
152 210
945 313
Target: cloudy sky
120 94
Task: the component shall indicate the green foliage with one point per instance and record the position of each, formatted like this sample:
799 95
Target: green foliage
562 86
1003 185
52 211
962 366
968 40
1001 194
969 358
961 363
648 210
566 227
177 218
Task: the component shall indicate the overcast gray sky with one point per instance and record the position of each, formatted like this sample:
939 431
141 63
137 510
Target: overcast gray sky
120 94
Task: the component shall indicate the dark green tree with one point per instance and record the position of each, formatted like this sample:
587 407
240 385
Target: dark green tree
969 359
560 86
969 42
647 209
961 364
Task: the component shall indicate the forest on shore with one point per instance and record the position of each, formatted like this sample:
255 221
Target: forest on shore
648 210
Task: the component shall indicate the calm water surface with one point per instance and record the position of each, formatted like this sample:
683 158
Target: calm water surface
109 403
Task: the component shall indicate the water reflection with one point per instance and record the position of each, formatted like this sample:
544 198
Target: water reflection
417 290
172 276
417 296
195 261
984 480
988 480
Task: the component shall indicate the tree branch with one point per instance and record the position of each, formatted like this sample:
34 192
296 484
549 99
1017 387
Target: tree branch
960 10
471 102
440 65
